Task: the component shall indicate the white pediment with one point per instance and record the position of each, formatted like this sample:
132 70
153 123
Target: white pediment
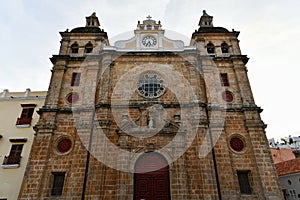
149 36
162 43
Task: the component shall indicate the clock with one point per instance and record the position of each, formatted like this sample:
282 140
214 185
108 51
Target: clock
149 41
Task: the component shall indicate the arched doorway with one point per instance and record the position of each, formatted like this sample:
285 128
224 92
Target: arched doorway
151 178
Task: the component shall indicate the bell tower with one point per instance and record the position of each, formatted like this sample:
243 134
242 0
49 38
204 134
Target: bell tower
75 68
92 21
222 60
206 20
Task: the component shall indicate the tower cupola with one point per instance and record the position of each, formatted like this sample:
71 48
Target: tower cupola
92 21
206 20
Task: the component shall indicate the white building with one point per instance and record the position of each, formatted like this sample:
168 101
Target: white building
286 142
289 178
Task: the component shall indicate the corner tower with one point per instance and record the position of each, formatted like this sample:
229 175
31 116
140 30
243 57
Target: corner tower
57 149
242 144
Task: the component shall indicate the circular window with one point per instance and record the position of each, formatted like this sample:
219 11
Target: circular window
151 85
64 145
237 144
72 97
227 96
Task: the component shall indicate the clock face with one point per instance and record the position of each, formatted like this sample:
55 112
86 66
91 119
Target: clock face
149 41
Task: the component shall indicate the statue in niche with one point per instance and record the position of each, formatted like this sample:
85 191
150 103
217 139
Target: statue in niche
150 122
156 116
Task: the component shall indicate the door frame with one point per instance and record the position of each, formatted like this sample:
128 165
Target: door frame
160 156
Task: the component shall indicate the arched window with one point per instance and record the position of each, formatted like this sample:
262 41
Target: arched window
224 47
210 48
88 48
74 47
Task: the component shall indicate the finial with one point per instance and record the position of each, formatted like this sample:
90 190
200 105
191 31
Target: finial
204 13
4 92
149 17
27 92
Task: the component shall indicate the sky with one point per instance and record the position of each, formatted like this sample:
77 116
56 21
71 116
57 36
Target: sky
270 36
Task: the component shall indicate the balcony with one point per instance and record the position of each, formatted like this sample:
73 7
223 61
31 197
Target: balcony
23 122
11 162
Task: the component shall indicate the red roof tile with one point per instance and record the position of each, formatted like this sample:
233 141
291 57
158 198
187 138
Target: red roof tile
281 155
288 167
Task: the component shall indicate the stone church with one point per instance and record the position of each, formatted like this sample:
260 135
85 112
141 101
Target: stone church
149 118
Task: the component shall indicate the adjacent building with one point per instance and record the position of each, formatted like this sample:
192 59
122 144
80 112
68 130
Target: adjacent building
17 117
289 178
287 163
286 142
150 118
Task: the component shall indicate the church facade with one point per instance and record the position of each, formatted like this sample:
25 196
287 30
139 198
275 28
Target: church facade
150 118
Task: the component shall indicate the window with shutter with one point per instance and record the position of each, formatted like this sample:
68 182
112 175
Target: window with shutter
75 79
14 156
26 114
58 183
224 79
244 183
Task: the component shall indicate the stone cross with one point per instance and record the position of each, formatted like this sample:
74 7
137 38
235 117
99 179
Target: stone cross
148 17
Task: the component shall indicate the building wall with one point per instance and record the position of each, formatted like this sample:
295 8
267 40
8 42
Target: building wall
10 105
290 184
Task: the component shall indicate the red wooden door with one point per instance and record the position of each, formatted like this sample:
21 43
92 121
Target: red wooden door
151 178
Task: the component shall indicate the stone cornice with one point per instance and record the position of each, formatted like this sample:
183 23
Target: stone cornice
22 98
255 124
58 110
204 34
67 34
149 103
73 57
221 57
232 108
44 128
244 58
252 108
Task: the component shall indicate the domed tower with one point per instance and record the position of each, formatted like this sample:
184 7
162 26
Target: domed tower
241 152
75 67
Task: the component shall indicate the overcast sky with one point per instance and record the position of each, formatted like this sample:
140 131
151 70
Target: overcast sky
270 36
